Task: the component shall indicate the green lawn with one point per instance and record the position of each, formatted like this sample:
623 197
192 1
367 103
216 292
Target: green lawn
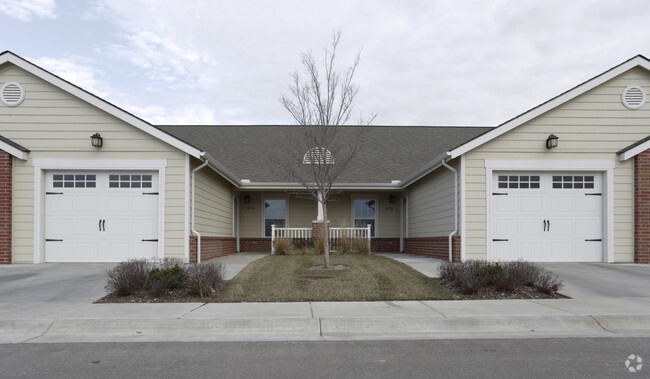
277 278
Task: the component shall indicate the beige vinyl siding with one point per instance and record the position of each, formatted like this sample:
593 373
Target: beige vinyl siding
54 124
593 126
302 211
431 204
213 204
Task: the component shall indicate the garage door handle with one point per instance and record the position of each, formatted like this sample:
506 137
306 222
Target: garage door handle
500 239
594 240
548 225
102 225
544 225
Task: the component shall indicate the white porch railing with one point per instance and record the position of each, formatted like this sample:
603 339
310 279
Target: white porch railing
305 235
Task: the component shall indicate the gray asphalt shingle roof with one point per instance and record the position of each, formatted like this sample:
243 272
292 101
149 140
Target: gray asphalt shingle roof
388 152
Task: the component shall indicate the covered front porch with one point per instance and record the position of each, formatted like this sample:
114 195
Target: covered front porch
376 216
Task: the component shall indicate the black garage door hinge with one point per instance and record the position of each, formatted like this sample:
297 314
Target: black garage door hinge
500 239
594 240
593 194
54 193
152 240
150 193
499 193
53 240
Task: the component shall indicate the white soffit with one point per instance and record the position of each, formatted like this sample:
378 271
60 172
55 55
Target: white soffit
99 103
553 103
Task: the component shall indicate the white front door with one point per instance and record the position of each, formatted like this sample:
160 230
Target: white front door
546 216
101 216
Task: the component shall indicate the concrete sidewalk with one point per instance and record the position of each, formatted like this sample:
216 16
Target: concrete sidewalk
317 321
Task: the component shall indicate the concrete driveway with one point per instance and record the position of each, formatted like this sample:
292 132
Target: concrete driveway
53 282
598 280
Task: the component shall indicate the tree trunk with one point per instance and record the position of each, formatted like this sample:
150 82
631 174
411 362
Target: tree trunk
326 236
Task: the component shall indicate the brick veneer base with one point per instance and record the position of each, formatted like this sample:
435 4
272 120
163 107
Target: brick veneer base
212 247
255 245
437 247
642 207
384 245
6 162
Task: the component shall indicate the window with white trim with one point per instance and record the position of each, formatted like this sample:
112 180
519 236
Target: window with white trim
130 181
275 213
573 181
364 211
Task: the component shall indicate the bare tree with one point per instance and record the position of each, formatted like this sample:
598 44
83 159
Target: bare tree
321 104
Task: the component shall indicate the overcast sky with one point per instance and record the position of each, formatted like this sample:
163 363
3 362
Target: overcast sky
422 62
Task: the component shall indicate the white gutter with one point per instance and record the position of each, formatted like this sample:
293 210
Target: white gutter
245 185
444 163
198 235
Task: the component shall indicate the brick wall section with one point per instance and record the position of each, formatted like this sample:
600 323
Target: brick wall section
6 162
384 245
436 247
255 245
642 207
317 229
212 247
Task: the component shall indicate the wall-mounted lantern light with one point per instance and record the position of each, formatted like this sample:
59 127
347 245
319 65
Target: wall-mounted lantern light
391 199
96 140
551 141
247 199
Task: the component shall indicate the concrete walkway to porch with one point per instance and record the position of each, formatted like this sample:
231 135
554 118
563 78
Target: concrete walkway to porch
236 262
426 265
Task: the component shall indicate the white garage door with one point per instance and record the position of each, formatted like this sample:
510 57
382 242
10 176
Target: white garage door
547 217
101 216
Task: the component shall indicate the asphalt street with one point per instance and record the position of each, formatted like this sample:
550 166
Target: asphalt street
498 358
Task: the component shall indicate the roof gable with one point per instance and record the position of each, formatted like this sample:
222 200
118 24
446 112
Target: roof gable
13 148
9 57
637 61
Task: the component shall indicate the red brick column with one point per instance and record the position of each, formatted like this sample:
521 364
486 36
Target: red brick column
642 207
317 229
6 162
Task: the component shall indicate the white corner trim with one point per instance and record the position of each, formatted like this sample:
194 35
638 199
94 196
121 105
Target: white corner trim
547 165
634 151
43 164
99 103
549 105
13 151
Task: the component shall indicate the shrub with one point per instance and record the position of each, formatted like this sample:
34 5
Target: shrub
360 246
204 278
164 279
283 246
319 246
128 277
170 262
345 246
472 275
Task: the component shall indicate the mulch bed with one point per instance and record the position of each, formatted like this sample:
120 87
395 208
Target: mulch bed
181 295
492 294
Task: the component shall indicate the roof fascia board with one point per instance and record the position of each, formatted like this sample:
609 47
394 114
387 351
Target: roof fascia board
99 103
221 170
425 170
339 186
13 151
553 103
633 152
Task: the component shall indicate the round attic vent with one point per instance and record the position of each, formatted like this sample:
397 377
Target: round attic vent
633 97
12 94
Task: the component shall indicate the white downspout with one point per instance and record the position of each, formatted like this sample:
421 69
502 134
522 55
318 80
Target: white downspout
444 163
198 235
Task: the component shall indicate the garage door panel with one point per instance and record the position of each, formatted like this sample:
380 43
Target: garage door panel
546 216
99 222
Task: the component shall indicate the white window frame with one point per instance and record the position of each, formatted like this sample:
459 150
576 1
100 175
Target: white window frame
606 168
374 197
263 208
41 165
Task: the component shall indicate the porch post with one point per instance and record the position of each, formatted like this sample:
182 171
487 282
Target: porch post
320 207
272 239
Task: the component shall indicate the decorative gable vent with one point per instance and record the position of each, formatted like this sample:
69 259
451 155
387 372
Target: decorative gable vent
633 97
318 155
12 94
